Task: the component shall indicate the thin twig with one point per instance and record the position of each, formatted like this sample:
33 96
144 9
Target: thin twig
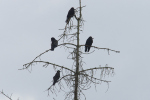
9 97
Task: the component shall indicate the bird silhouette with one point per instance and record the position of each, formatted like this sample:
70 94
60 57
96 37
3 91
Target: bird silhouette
88 44
54 43
70 14
56 77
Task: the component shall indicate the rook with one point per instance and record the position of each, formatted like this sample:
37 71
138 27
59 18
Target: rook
56 77
88 44
70 14
54 43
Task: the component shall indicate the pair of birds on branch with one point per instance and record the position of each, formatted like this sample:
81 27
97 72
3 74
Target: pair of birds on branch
88 44
89 41
54 43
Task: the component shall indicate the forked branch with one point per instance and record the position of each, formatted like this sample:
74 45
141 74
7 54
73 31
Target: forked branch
26 66
94 77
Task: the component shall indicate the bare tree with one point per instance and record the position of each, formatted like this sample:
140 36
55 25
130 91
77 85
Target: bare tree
77 78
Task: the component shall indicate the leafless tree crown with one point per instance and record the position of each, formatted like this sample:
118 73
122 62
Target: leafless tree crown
76 78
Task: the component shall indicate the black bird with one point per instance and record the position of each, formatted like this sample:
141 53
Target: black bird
56 77
54 43
88 44
70 14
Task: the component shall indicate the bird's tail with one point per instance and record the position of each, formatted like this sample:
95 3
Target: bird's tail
85 48
89 49
52 48
67 20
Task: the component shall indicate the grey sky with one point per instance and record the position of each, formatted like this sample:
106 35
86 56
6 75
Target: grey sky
26 27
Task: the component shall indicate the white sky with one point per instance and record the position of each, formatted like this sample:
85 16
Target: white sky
26 27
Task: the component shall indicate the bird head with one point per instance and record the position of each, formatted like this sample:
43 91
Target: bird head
52 39
72 8
91 37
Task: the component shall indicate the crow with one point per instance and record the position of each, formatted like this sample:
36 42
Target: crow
88 44
54 43
56 77
70 14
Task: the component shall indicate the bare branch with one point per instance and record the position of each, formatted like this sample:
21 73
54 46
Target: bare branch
9 97
89 52
67 44
46 52
46 63
94 77
35 59
76 17
96 68
102 48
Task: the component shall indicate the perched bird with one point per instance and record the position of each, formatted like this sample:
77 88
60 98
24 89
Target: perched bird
70 14
54 43
88 44
56 77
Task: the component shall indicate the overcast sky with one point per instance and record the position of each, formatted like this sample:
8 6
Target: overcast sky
26 27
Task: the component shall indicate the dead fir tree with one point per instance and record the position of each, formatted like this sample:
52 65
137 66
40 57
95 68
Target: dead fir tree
77 78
